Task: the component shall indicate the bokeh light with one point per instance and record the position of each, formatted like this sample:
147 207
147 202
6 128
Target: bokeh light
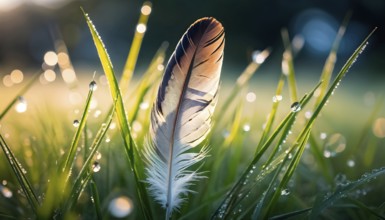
379 128
141 28
51 58
121 207
146 9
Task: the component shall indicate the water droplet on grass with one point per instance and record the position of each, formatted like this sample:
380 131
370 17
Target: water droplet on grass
121 207
21 105
351 163
7 193
93 85
277 98
76 123
96 167
246 127
285 192
295 107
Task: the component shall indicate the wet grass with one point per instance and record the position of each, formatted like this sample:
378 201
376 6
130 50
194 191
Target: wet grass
292 160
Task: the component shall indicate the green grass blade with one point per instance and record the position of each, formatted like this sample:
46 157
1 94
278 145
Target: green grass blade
125 129
367 209
5 216
75 140
290 214
245 77
302 139
288 66
20 93
87 163
96 200
231 200
129 67
19 172
331 61
273 112
152 74
326 199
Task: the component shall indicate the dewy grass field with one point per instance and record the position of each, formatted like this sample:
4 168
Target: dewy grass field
92 157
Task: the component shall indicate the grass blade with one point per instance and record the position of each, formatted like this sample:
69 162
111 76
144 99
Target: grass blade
96 200
129 67
75 141
273 112
326 199
87 163
331 60
20 93
245 77
129 143
19 172
288 66
232 199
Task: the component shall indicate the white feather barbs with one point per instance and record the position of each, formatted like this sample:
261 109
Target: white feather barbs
181 115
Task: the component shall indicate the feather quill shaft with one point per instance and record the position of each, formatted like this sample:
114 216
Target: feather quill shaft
181 114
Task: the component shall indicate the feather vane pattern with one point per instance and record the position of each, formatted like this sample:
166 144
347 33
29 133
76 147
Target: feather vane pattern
181 114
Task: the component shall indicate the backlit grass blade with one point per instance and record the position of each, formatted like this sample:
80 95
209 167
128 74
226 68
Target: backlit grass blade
288 67
87 163
331 60
96 200
19 172
125 129
276 100
367 209
75 140
232 199
152 74
129 67
326 200
5 216
245 76
290 214
20 93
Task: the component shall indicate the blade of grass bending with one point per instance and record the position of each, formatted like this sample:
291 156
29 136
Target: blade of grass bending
26 186
272 113
96 200
5 216
367 209
230 200
87 163
331 60
152 74
124 126
65 168
325 200
20 93
302 139
288 66
245 77
129 67
290 214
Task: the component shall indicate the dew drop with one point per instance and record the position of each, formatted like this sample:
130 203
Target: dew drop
285 192
277 98
323 136
21 105
93 85
246 127
98 155
121 207
7 193
295 107
76 123
351 163
96 167
144 105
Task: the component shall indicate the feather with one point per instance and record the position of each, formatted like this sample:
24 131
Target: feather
181 114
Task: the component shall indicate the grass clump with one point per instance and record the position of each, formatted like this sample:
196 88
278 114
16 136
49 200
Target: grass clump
253 173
